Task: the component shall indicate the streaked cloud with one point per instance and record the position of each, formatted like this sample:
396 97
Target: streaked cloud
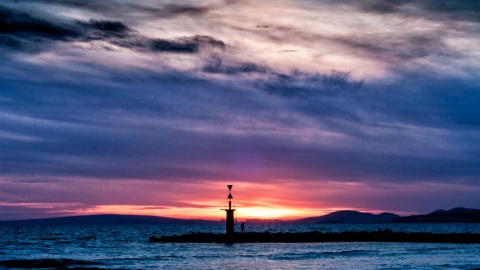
377 96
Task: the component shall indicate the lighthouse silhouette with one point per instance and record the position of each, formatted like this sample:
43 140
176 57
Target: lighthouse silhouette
230 223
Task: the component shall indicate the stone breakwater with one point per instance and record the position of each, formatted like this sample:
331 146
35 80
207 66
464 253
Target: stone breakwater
319 237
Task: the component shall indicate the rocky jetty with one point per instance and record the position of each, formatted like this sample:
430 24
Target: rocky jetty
319 237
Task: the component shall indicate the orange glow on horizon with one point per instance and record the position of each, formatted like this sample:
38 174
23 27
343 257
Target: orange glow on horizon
209 213
212 213
271 213
285 201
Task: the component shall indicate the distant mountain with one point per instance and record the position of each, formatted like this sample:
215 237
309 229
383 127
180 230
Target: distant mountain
348 216
455 210
455 215
107 220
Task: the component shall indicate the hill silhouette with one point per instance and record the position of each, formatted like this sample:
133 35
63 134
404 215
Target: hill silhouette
349 216
455 210
455 215
459 215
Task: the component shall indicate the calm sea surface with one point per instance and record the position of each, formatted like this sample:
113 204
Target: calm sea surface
127 247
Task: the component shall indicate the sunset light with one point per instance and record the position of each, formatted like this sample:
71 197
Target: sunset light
306 107
239 134
271 213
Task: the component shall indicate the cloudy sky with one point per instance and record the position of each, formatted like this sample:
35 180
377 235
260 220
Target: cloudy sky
306 107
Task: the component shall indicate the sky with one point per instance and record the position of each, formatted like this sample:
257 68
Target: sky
152 107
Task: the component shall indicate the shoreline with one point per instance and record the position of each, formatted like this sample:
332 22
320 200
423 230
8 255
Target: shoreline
319 237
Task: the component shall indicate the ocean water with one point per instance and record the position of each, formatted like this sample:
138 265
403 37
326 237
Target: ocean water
127 247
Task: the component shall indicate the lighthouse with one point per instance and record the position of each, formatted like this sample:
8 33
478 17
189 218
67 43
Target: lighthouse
230 223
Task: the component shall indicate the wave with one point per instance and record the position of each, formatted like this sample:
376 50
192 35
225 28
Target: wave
327 254
45 263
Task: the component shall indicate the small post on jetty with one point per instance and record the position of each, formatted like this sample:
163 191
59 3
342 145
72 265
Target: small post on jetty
230 223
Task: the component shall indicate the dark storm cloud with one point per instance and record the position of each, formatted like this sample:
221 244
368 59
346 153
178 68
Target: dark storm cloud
180 45
235 69
184 9
107 28
26 32
20 30
217 65
307 84
121 35
19 23
124 8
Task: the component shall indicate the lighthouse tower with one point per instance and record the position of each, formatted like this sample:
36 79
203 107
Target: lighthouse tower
230 220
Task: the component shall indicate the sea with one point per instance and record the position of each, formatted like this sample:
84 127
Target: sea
127 247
